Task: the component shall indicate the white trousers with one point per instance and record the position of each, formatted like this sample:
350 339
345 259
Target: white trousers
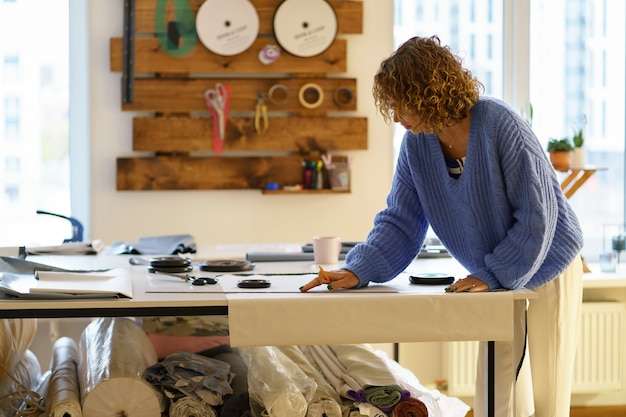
533 374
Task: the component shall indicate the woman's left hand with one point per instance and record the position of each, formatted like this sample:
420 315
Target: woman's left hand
468 284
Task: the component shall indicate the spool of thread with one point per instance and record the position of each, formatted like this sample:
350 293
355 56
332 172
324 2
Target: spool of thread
269 54
311 95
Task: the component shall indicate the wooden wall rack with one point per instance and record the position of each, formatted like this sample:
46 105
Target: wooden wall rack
176 125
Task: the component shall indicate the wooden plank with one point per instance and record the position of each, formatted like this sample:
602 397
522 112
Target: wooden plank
173 95
150 58
206 173
300 135
349 14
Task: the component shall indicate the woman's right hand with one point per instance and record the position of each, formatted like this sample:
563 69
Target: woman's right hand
334 280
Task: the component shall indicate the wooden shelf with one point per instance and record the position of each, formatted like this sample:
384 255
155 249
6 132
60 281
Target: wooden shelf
323 191
170 79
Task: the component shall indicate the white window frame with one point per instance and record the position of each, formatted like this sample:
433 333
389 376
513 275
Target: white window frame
79 114
516 53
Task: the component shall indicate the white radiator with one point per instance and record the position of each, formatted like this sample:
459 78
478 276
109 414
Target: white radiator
601 348
599 359
461 367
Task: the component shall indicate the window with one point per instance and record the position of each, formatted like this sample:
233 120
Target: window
11 107
472 29
12 164
11 69
575 78
11 131
34 124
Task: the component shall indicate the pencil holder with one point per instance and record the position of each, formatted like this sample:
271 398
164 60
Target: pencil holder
339 174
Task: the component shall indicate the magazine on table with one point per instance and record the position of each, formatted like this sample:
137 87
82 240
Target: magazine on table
114 283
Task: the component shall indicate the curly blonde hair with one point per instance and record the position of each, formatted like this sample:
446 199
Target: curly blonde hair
424 79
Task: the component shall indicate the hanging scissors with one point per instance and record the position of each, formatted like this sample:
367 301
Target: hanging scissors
217 101
260 113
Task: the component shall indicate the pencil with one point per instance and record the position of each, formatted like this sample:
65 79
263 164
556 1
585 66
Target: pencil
325 278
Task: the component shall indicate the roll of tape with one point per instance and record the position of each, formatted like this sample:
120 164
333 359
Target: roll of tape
311 95
227 27
278 94
343 96
305 28
269 54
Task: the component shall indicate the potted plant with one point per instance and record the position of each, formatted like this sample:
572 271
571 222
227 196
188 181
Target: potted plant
560 151
578 153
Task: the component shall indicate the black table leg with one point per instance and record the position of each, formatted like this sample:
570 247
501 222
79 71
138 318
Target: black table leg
490 378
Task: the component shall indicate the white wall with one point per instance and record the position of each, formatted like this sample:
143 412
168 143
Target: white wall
233 216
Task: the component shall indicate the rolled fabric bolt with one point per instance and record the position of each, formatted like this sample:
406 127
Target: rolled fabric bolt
63 389
113 355
311 95
24 379
16 335
186 407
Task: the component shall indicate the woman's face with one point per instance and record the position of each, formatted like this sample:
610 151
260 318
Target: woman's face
408 121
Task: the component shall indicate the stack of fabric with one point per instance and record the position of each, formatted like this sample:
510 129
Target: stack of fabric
338 380
370 383
194 384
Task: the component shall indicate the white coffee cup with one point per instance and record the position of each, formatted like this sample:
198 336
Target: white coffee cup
326 250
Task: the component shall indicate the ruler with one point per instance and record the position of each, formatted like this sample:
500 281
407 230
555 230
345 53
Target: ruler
128 63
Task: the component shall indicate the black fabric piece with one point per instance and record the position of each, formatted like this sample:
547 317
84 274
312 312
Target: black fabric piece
236 404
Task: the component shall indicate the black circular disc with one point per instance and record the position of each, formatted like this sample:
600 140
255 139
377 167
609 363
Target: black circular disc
169 262
171 269
226 265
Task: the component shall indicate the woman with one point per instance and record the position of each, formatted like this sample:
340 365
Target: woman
473 170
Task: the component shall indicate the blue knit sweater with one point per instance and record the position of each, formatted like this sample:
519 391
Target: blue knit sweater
505 219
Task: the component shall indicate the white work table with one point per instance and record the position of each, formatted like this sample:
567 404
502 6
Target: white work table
396 311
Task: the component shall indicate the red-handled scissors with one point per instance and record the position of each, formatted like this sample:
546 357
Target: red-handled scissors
217 101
